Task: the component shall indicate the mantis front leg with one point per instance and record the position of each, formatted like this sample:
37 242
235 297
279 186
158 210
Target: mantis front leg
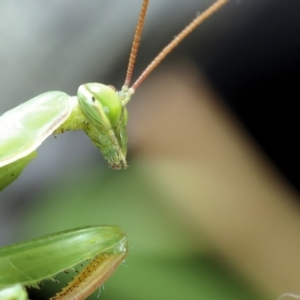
28 263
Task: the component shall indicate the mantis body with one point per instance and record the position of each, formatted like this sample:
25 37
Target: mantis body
101 112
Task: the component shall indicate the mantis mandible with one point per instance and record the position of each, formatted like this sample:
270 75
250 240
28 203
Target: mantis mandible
101 112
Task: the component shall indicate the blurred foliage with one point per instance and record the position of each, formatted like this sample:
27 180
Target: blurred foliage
165 260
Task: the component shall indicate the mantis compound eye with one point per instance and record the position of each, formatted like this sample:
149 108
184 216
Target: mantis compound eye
100 103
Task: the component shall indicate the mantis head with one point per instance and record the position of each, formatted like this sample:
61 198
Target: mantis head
104 108
106 119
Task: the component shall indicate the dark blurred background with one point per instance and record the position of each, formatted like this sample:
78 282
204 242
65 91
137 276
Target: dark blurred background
210 201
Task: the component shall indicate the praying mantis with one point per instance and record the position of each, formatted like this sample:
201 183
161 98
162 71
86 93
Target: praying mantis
100 111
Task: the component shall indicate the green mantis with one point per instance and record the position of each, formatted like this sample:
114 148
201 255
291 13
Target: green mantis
100 111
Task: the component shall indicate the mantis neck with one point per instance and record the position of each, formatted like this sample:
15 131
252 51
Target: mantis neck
76 119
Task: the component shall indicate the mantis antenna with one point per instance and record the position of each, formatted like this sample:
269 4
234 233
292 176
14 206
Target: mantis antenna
136 42
174 43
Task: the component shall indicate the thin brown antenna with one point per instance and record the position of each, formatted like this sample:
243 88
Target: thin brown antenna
178 39
136 42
